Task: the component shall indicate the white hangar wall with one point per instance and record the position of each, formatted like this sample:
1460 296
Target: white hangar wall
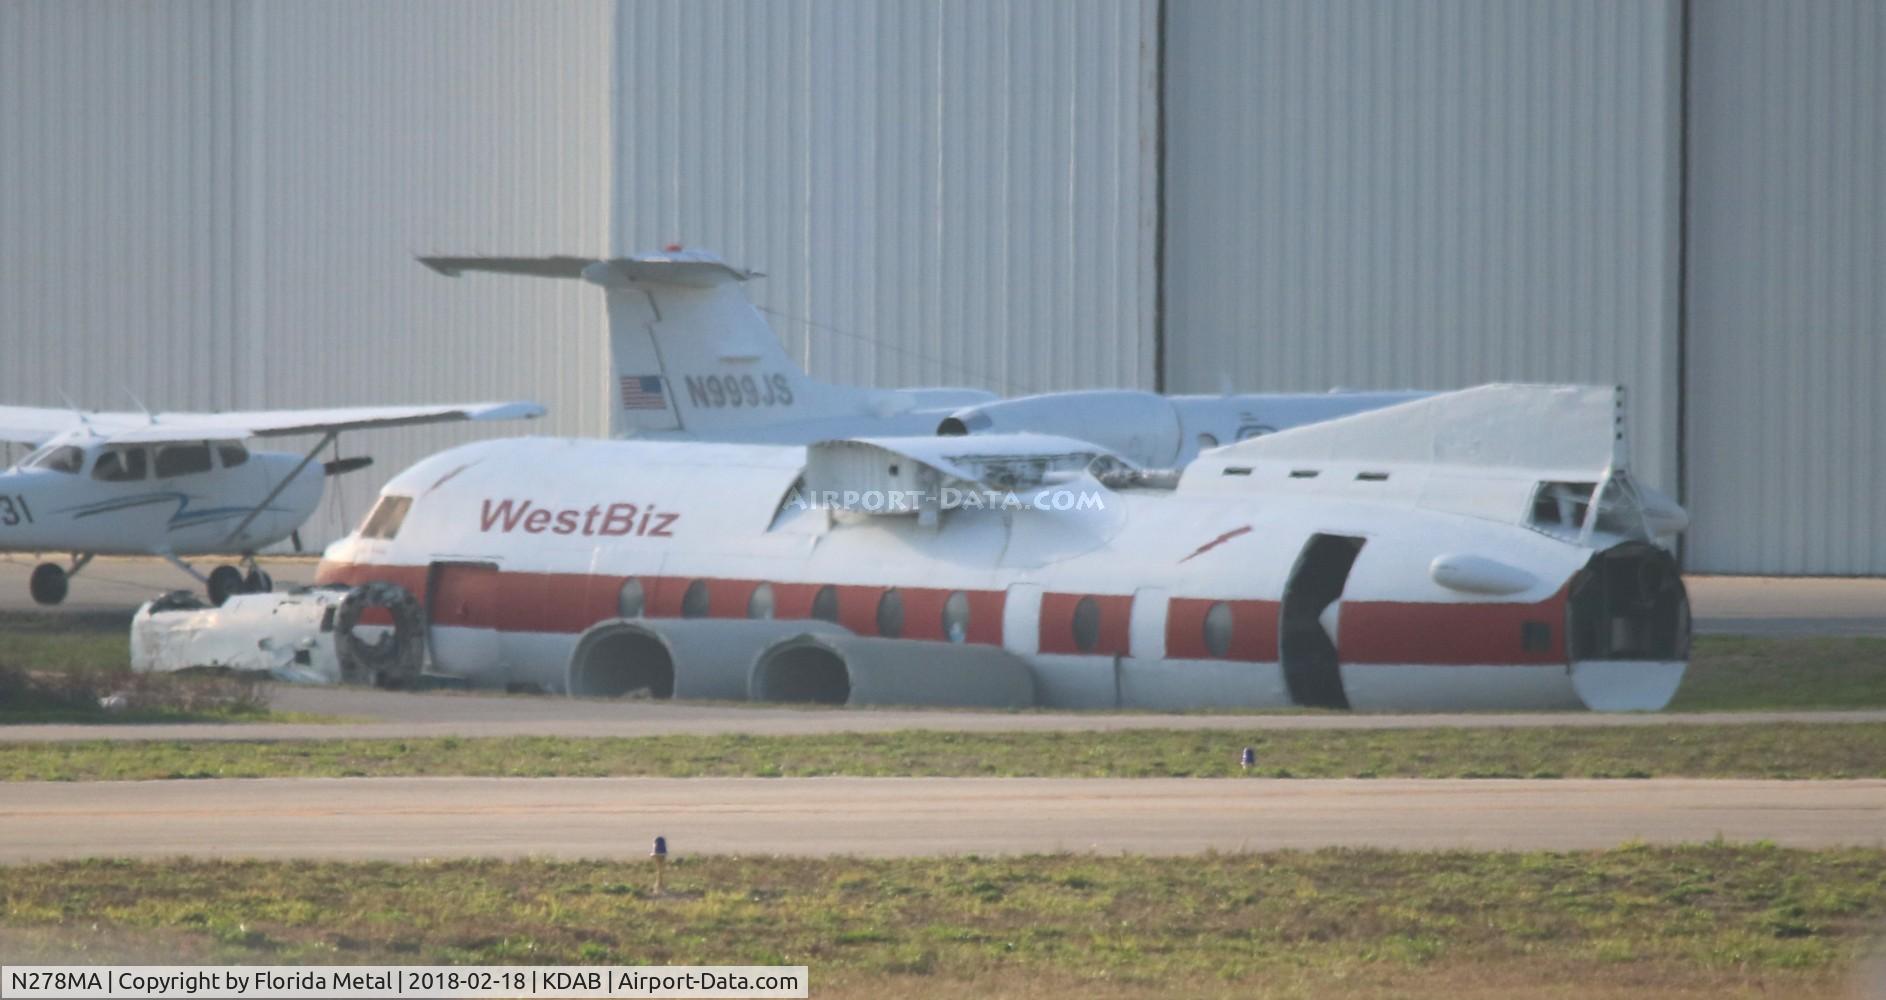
1426 195
1786 346
214 204
939 193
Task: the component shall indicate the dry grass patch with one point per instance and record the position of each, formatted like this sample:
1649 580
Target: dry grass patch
1674 922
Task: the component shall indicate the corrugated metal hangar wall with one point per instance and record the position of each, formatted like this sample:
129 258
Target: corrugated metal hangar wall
213 203
1786 427
939 193
1425 195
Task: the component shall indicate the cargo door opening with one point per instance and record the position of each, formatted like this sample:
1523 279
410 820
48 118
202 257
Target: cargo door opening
1306 646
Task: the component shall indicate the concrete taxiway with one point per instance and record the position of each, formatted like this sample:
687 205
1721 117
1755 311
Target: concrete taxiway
416 818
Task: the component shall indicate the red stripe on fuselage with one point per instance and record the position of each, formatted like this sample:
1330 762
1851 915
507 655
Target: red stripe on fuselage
1057 624
1373 632
1253 630
1451 634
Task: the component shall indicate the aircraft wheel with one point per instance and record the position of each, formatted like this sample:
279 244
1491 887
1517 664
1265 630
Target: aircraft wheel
49 583
225 581
258 582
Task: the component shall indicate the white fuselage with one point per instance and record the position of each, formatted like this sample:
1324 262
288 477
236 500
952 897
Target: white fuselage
80 495
1213 594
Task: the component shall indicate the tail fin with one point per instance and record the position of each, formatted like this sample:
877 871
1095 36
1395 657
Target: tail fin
691 355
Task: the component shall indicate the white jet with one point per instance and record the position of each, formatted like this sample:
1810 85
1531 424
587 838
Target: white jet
178 484
693 359
1481 549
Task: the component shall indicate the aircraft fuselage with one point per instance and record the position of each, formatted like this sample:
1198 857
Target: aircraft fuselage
1207 595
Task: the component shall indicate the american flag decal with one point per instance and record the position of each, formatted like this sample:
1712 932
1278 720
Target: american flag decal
643 392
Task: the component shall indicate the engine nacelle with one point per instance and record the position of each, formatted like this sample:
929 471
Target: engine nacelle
694 658
845 669
1141 427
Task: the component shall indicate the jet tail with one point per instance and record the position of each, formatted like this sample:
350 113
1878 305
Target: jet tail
691 355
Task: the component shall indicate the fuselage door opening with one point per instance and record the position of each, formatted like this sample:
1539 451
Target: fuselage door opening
1310 621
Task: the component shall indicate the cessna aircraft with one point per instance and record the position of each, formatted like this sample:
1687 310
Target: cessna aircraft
178 484
1485 548
695 360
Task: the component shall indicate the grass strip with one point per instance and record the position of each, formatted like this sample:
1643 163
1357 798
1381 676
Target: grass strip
1781 750
1635 921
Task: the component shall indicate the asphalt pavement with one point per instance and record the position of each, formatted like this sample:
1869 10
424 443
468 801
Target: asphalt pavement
417 818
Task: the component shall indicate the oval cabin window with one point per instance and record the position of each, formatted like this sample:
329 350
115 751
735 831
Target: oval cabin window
1218 630
891 614
694 603
825 604
956 617
1086 624
630 599
760 605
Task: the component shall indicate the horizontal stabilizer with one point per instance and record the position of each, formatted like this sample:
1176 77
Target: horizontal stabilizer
688 268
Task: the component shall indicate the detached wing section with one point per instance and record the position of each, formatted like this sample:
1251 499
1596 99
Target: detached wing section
34 425
1553 458
279 423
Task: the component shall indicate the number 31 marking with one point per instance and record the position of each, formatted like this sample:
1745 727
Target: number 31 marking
13 510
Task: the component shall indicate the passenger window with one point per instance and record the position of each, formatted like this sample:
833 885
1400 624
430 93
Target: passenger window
119 465
182 459
825 604
630 599
232 454
1086 624
695 602
386 517
956 617
68 459
891 614
1218 630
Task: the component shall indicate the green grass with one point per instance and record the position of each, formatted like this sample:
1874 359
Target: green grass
1634 921
1732 673
1785 750
40 640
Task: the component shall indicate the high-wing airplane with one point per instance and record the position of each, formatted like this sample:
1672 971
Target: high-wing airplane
178 484
693 359
1486 548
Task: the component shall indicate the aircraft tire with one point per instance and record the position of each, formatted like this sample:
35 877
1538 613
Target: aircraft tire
393 660
49 583
258 582
224 583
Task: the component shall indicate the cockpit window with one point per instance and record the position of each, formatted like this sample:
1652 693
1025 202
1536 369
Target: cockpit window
182 459
232 453
386 517
120 465
65 458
